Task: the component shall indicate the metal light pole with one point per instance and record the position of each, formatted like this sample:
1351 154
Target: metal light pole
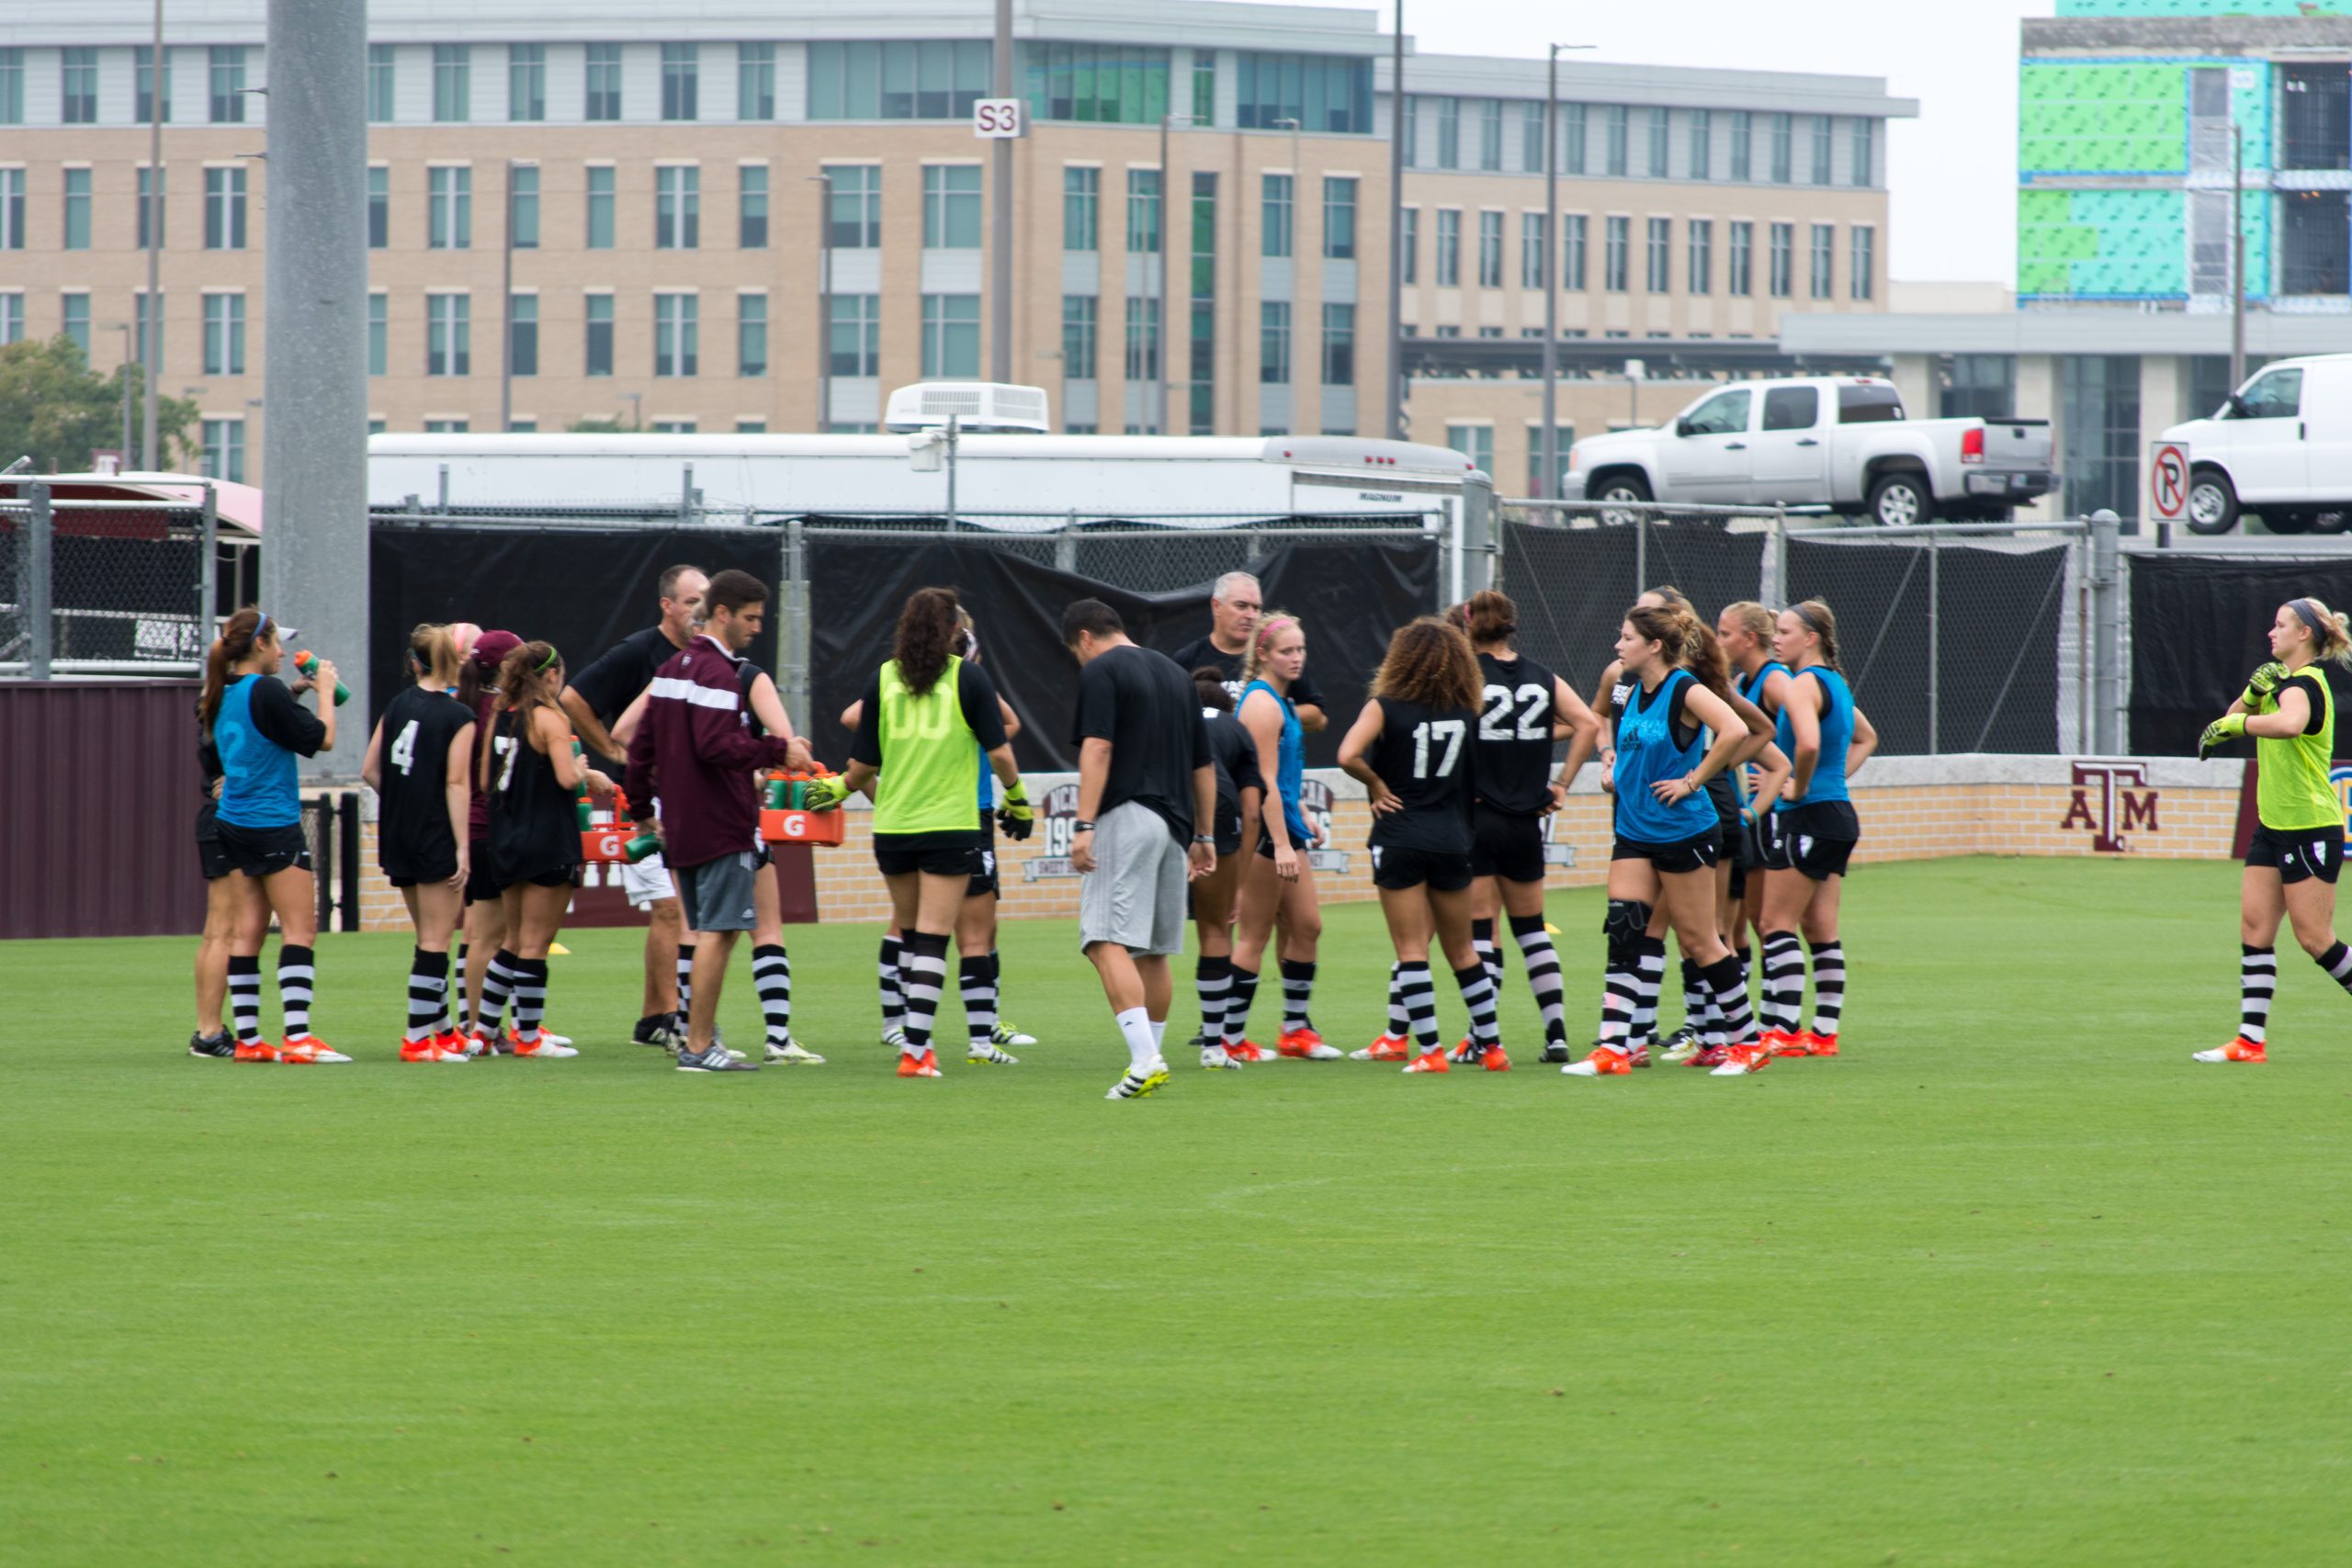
128 464
1000 213
150 358
1549 489
1396 229
824 302
506 310
2237 258
1167 224
636 410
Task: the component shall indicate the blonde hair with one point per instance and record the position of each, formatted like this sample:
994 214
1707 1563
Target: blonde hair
1752 618
2332 632
437 654
1262 641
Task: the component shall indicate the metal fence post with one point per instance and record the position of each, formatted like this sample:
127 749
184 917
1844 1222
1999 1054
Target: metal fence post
794 650
1066 545
1935 639
208 547
2106 634
1641 557
40 624
1477 539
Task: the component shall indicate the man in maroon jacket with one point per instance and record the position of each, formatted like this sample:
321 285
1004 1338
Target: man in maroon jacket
696 748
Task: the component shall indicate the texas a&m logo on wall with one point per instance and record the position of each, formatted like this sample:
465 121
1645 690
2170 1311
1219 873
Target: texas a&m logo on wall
2111 798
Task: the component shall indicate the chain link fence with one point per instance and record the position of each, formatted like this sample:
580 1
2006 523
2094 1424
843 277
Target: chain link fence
104 587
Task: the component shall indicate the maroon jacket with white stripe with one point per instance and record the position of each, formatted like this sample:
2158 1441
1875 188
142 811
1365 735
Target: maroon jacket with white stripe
695 750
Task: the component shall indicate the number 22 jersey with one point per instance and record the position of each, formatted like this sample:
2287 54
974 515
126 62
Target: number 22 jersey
1515 736
1424 754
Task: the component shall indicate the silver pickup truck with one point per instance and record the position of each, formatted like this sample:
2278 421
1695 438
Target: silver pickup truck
1833 443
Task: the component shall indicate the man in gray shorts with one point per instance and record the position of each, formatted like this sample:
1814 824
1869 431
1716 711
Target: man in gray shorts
1147 800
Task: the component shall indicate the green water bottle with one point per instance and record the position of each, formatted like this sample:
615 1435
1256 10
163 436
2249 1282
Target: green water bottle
637 849
307 664
778 794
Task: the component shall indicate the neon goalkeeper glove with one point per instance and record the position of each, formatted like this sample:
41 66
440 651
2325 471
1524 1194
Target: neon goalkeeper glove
2219 733
826 793
2262 682
1016 815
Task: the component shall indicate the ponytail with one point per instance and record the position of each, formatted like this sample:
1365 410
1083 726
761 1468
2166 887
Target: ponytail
1820 620
526 680
1263 639
1687 643
434 650
235 643
1490 616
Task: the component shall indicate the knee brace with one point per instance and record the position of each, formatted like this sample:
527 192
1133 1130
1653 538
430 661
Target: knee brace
1626 922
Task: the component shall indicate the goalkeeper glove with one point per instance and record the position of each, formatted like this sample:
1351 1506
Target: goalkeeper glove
826 793
2219 733
1016 815
2262 682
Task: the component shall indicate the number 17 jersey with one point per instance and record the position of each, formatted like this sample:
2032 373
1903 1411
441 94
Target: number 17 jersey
1515 736
1424 755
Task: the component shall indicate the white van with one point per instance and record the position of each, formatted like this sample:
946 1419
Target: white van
2280 446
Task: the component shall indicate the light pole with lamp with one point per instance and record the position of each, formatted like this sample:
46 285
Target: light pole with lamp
824 301
1166 330
636 410
128 464
150 359
1550 250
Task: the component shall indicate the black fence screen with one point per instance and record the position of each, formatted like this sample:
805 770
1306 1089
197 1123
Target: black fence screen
1573 586
2198 631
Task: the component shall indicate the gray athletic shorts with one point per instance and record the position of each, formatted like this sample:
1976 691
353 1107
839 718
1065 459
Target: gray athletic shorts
717 894
1135 895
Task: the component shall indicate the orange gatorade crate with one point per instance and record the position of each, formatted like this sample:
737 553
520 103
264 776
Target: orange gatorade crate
782 821
603 841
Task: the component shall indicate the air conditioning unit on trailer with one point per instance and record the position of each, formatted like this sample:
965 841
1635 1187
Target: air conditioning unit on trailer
978 407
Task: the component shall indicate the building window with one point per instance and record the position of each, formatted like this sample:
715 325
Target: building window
1784 243
1661 142
522 427
378 333
1530 138
224 210
751 427
74 318
380 206
11 112
750 334
1614 263
1490 134
598 339
1983 386
2099 424
1824 239
1863 153
1278 207
146 318
751 206
674 427
2315 118
854 343
1274 342
1449 134
1743 146
526 81
1409 246
1657 260
1448 247
77 209
380 81
1619 136
601 201
1743 259
1572 250
449 209
1079 336
2312 229
856 216
1783 149
1143 211
1142 361
228 73
1476 442
755 81
1702 256
142 70
1411 132
1202 387
453 88
78 86
677 207
446 426
523 205
680 81
154 204
1562 438
1338 345
224 450
604 81
1081 209
1327 95
1572 128
448 334
1339 217
951 336
1862 264
1204 86
1490 250
1531 250
522 334
12 317
935 79
950 207
1824 140
1702 149
677 334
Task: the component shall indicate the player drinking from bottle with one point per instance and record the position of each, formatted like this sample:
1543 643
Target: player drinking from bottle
2298 846
259 730
420 777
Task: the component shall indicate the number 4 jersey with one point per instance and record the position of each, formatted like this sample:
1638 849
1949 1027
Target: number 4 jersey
1424 755
413 817
1515 736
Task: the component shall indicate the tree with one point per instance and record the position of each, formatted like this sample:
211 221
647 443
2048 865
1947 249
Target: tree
55 410
607 425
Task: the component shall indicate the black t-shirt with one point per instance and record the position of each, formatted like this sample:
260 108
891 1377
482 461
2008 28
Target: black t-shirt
419 729
611 683
1234 755
1424 755
974 694
1515 735
1145 705
278 714
1203 654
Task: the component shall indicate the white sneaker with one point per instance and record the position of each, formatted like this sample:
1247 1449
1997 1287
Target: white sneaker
1740 1061
895 1038
547 1045
1214 1058
980 1053
1140 1081
793 1054
551 1037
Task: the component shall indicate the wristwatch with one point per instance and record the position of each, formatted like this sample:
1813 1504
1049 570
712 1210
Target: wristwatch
1208 839
1081 826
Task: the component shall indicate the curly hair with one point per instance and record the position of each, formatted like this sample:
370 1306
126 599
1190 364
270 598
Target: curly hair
1430 663
1686 642
1491 617
1262 642
927 637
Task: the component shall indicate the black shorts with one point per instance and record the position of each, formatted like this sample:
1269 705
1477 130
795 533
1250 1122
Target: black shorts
1726 799
1228 828
546 877
1818 839
1399 866
1771 845
934 855
265 851
1682 855
984 884
1738 877
481 876
405 866
2298 854
1505 845
211 857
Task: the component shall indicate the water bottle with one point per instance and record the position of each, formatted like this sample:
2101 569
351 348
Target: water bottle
307 664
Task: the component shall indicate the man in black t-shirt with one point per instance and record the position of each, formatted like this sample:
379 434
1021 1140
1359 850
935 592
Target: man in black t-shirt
1147 811
1236 605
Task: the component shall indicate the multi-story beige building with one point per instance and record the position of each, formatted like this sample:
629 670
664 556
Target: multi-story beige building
598 211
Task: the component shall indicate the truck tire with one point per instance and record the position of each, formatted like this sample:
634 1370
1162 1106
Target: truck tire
1901 498
1624 488
2289 520
2212 502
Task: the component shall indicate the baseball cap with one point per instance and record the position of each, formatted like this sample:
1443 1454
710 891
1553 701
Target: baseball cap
492 648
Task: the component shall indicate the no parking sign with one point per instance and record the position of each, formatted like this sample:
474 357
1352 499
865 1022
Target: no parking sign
2169 481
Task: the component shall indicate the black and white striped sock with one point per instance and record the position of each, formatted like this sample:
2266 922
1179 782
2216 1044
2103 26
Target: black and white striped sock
2337 962
2257 983
1783 980
922 969
771 978
530 997
1649 980
1730 1022
428 994
1236 1005
1298 989
244 998
996 981
978 989
1828 986
685 977
497 986
1617 996
1400 1020
893 991
1212 982
1478 982
1482 937
1417 992
297 977
1698 1003
1541 962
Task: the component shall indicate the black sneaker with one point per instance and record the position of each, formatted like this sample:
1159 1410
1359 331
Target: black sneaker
222 1045
715 1060
652 1029
1556 1050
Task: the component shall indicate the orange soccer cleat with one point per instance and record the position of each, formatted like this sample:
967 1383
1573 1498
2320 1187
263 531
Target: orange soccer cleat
1387 1048
1605 1062
259 1051
1428 1062
1783 1043
2238 1050
1250 1053
1304 1045
546 1046
1818 1045
1495 1061
304 1049
433 1048
1740 1060
925 1066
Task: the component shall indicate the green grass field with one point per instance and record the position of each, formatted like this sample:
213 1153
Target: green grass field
2012 1281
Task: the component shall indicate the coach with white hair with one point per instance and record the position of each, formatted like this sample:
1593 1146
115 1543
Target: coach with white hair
1236 602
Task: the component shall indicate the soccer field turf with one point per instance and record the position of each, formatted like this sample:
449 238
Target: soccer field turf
2013 1280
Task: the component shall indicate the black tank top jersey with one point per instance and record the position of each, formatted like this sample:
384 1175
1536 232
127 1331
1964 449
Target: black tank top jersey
533 826
419 728
1426 756
1514 736
1234 756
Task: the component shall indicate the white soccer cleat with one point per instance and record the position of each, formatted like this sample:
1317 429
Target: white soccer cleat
1149 1078
1005 1034
794 1054
1214 1057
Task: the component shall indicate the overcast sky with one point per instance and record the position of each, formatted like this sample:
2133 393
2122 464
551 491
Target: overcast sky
1953 170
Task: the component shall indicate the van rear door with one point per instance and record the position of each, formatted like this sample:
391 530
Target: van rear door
2268 458
2327 428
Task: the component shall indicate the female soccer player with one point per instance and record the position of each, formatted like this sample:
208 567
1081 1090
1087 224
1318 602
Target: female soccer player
1826 740
1279 881
485 922
1668 833
211 1038
421 778
2298 844
532 776
1411 748
1240 795
259 730
1745 630
927 721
